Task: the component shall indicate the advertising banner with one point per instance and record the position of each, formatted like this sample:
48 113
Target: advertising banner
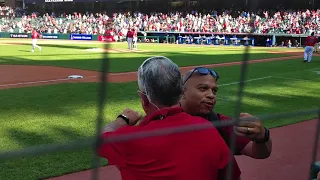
106 38
50 36
81 36
19 35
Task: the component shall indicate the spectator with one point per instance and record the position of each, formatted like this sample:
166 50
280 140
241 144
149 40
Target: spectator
198 154
285 22
199 98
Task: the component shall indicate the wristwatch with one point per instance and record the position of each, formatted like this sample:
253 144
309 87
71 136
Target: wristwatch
124 117
266 137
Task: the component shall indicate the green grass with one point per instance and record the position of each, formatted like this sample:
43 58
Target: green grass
66 112
75 56
54 114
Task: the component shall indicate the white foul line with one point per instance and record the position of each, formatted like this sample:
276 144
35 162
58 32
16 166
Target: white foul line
291 78
39 82
66 79
228 84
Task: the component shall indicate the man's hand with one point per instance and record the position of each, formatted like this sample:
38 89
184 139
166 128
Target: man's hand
250 127
134 116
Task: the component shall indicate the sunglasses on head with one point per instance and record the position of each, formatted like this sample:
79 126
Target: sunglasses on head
203 71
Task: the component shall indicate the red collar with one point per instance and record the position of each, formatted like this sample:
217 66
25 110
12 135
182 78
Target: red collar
160 114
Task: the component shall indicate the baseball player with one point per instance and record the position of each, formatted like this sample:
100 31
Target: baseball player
308 51
135 39
129 38
35 35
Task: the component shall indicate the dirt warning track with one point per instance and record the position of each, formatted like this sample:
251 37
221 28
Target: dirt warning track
13 76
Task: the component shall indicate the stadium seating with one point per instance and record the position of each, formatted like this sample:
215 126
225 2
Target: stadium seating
288 22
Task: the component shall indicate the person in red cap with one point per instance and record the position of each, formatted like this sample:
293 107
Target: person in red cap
35 35
129 38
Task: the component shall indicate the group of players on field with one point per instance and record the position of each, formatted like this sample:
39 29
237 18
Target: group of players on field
311 44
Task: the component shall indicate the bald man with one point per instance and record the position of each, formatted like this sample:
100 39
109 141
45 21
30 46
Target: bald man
199 98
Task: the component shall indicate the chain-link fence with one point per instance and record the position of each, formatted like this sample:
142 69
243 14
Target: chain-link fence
95 142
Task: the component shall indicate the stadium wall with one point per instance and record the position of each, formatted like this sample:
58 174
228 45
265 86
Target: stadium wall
165 37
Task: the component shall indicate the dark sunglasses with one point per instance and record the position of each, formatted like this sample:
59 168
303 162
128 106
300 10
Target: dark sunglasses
203 71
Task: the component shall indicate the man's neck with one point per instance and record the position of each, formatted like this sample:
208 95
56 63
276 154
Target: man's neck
158 108
205 116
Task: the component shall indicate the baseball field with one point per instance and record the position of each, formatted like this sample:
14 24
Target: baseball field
40 105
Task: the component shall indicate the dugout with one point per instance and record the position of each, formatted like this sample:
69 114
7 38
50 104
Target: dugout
297 40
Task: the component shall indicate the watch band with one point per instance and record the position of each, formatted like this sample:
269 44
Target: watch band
124 117
266 137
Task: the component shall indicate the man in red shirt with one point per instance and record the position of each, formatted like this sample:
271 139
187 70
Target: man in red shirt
311 41
135 38
35 35
168 143
199 98
129 38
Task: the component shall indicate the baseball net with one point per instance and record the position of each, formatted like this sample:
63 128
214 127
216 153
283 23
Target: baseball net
95 141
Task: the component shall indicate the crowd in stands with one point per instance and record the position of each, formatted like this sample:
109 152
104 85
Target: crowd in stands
286 21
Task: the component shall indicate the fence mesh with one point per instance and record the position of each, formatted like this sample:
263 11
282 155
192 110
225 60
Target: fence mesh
94 142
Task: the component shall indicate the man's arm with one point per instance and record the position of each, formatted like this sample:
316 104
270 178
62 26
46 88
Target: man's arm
258 151
129 117
114 151
113 126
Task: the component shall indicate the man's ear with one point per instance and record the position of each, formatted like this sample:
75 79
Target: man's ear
183 93
144 99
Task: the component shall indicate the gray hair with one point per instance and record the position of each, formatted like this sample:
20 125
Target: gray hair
161 80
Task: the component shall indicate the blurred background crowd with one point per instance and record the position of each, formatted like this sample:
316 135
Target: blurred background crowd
226 21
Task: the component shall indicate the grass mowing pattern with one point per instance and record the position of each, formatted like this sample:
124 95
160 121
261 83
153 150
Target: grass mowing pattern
75 56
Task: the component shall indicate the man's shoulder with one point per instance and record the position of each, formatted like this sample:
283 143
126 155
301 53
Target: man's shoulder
218 117
177 120
191 119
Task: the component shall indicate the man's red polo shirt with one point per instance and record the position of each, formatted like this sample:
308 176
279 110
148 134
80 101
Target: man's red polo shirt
198 154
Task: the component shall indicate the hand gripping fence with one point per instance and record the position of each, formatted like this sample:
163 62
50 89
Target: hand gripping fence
94 142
